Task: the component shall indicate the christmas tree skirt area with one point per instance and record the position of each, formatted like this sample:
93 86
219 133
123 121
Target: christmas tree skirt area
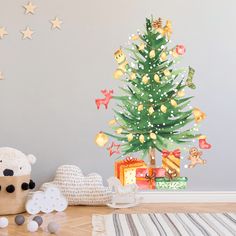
170 224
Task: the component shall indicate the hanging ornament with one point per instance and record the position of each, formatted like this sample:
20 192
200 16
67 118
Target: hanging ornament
112 122
180 49
166 72
141 138
195 158
145 79
141 46
135 37
163 108
203 143
181 93
140 107
189 81
114 149
163 56
101 139
130 137
132 76
122 62
150 110
157 78
157 24
153 136
119 130
173 103
152 54
198 115
105 101
167 30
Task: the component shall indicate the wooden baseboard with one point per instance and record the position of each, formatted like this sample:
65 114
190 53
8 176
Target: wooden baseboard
158 197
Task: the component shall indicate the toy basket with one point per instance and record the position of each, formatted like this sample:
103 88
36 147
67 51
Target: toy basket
13 202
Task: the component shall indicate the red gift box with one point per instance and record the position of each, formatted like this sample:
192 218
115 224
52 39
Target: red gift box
145 177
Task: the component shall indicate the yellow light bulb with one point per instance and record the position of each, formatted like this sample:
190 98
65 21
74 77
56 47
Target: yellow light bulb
163 56
153 136
130 137
157 78
132 76
167 72
112 122
141 139
145 79
150 110
152 54
140 107
101 139
181 93
173 103
163 108
119 130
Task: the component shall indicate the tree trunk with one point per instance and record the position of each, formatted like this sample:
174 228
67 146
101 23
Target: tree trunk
152 158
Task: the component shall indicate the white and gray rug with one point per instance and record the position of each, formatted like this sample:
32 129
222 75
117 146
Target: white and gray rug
168 224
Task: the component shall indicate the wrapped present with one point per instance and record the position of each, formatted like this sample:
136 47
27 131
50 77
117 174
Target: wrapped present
171 184
171 161
125 170
145 177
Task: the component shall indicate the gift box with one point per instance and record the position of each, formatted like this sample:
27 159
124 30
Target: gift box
171 184
171 161
145 177
125 170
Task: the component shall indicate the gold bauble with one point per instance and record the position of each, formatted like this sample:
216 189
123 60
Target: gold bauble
163 56
132 76
167 72
119 130
141 138
173 103
145 79
140 107
163 108
153 136
150 110
112 122
130 137
101 139
152 54
180 93
157 78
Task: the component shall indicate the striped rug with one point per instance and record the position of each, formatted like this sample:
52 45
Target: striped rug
168 224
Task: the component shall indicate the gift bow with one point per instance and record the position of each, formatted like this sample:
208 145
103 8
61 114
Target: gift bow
151 179
130 160
176 153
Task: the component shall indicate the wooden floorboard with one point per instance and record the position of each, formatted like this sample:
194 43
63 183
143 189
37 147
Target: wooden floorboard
76 221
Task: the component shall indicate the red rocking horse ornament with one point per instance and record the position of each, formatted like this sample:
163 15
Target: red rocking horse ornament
106 100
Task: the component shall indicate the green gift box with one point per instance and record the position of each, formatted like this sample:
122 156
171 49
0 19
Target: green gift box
171 184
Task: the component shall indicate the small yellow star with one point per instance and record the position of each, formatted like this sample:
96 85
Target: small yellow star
27 33
56 23
3 32
1 76
29 8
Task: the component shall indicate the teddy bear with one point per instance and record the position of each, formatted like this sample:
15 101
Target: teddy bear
15 163
195 157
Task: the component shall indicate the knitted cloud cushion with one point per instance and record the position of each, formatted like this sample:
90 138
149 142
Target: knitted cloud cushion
80 189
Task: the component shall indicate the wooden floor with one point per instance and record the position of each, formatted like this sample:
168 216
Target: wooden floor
76 221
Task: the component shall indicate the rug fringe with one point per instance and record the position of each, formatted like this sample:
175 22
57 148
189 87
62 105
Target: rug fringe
98 224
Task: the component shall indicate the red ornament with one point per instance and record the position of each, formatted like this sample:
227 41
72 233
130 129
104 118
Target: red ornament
180 49
114 149
106 100
203 143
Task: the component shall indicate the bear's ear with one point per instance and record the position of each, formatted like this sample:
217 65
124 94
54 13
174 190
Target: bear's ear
31 158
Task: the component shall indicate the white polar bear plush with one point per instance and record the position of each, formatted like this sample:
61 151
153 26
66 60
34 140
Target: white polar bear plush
14 162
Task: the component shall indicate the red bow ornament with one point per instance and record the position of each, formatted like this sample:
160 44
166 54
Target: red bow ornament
176 153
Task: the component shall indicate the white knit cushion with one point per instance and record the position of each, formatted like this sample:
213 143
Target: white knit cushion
80 189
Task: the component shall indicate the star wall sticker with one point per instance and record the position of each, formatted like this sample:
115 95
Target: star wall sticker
1 76
30 8
27 33
56 23
3 32
114 149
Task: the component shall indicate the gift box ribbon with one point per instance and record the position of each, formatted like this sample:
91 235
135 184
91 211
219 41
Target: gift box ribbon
176 153
150 177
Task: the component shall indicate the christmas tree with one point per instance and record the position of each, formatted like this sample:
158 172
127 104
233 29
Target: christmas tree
153 112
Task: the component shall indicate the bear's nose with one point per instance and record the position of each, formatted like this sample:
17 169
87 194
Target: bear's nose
8 172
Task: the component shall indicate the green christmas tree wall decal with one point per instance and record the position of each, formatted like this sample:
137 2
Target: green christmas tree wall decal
153 112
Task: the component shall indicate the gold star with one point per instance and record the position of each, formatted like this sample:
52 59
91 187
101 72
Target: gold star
27 33
29 8
56 23
1 76
3 32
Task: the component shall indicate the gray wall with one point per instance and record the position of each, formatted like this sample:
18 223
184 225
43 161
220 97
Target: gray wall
47 100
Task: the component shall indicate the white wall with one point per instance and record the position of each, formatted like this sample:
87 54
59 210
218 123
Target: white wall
47 100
